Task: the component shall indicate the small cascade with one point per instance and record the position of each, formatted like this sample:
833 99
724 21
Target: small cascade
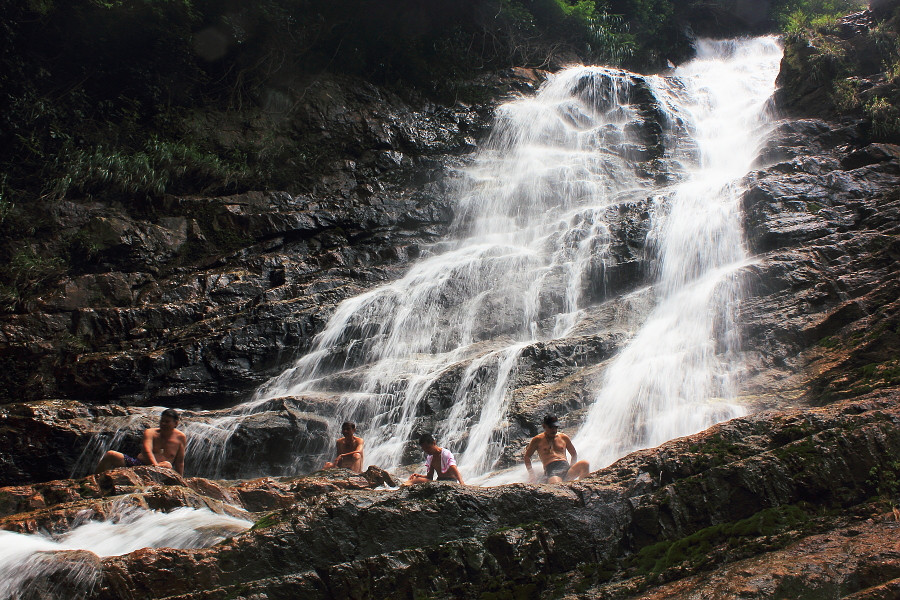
27 561
112 435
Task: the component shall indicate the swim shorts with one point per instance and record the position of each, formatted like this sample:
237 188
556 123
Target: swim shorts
558 468
131 461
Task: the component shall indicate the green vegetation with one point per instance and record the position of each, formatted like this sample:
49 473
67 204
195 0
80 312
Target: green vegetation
715 451
268 520
697 548
885 117
881 374
122 101
159 167
885 481
794 16
858 72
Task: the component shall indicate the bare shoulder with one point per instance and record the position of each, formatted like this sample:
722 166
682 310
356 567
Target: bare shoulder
359 440
180 434
564 437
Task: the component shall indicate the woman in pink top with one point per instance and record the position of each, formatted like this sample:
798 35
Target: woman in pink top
438 461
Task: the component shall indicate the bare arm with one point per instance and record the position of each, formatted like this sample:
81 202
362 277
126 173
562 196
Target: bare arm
148 447
357 449
457 474
571 448
528 452
178 463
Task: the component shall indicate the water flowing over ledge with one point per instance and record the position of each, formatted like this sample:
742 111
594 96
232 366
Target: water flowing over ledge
27 558
601 212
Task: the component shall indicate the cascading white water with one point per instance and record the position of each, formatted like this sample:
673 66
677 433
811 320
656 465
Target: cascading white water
677 375
25 559
531 221
530 224
536 226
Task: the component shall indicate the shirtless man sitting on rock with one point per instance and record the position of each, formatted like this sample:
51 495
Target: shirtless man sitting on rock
551 447
349 450
163 446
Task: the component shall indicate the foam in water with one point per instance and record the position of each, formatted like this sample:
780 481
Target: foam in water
26 560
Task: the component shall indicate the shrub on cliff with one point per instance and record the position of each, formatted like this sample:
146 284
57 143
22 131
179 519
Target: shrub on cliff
846 66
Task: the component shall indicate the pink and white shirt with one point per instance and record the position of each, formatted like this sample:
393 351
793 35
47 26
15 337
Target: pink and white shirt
447 461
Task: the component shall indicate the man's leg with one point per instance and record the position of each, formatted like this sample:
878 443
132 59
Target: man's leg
455 473
110 460
354 462
416 478
578 470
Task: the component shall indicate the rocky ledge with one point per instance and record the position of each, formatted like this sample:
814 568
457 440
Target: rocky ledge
779 504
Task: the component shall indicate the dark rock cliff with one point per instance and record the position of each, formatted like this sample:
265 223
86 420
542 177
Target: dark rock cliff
199 299
194 301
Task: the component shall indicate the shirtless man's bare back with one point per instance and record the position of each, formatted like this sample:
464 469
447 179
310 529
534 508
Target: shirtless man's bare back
162 446
551 447
349 450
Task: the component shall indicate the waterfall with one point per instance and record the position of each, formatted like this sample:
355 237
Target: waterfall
533 229
529 227
677 375
605 204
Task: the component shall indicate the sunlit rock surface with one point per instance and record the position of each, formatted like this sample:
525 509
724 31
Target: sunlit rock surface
718 512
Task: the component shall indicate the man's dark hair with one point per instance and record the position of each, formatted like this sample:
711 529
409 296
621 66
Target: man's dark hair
426 439
349 424
171 413
551 421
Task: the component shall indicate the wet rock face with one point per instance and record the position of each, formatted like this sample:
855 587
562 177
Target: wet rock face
57 507
824 220
196 301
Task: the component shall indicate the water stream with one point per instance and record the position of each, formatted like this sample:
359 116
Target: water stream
602 169
30 563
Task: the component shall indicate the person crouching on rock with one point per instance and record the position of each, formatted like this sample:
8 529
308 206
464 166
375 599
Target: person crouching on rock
349 450
438 461
551 447
163 446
